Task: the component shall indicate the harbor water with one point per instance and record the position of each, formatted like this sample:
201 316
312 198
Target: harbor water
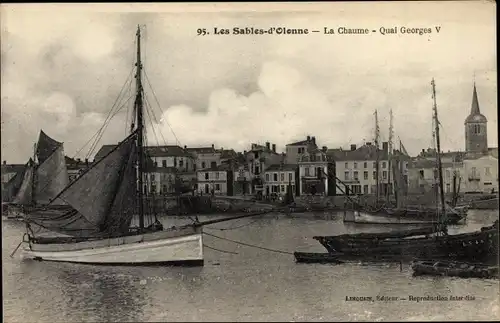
243 283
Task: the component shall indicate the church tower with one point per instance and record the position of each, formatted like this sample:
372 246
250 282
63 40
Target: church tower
476 139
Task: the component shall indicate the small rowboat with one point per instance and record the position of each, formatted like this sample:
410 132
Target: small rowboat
315 257
453 268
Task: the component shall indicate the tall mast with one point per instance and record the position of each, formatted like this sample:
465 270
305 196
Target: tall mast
389 155
438 148
377 133
138 108
33 177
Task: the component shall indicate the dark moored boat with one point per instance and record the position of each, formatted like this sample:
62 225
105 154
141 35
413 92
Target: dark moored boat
481 244
453 268
314 257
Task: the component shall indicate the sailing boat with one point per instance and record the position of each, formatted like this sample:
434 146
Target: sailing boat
104 200
43 177
475 245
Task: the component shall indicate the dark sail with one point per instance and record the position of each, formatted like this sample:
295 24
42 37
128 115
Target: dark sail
98 196
12 187
45 147
51 178
24 195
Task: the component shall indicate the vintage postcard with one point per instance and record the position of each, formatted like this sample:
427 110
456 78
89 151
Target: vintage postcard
234 162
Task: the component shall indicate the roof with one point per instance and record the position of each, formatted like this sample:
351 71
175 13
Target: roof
299 143
201 150
475 115
152 151
281 167
306 157
429 163
12 168
228 153
365 152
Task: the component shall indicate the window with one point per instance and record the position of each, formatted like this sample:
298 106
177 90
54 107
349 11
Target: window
346 165
256 154
282 177
152 177
217 187
421 173
213 164
355 165
374 164
447 173
175 161
346 176
257 170
365 175
448 186
275 177
476 129
153 188
216 175
290 176
384 174
267 177
282 188
164 163
356 176
301 150
194 166
307 171
365 189
156 163
374 175
487 171
435 173
206 175
203 165
181 162
384 164
164 188
365 165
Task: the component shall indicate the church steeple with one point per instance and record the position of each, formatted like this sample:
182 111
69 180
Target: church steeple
475 102
476 139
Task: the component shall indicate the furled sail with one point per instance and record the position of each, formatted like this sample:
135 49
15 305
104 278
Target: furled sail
24 195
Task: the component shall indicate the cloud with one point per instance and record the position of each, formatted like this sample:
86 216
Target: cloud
66 74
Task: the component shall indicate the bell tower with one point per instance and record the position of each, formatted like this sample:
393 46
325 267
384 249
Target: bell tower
476 139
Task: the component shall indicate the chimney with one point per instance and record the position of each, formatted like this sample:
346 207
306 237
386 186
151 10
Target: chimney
244 152
313 139
308 138
268 145
325 148
213 146
78 160
5 162
274 147
368 143
353 147
185 147
87 162
385 146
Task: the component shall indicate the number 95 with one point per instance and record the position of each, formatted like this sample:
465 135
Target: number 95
201 31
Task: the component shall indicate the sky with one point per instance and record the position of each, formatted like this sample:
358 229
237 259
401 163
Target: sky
63 66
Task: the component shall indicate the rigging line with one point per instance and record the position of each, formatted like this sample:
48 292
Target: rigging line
220 250
151 122
116 103
116 100
234 228
106 126
249 245
159 107
156 120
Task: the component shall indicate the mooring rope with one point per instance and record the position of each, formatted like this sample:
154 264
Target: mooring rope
250 245
234 228
220 250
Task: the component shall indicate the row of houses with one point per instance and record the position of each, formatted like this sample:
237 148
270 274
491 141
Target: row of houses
303 168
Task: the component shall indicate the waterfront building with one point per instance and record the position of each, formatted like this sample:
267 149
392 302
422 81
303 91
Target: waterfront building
480 174
295 150
313 172
278 177
423 175
258 159
356 169
216 180
204 157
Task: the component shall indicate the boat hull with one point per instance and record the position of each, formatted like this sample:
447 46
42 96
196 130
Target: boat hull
179 247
